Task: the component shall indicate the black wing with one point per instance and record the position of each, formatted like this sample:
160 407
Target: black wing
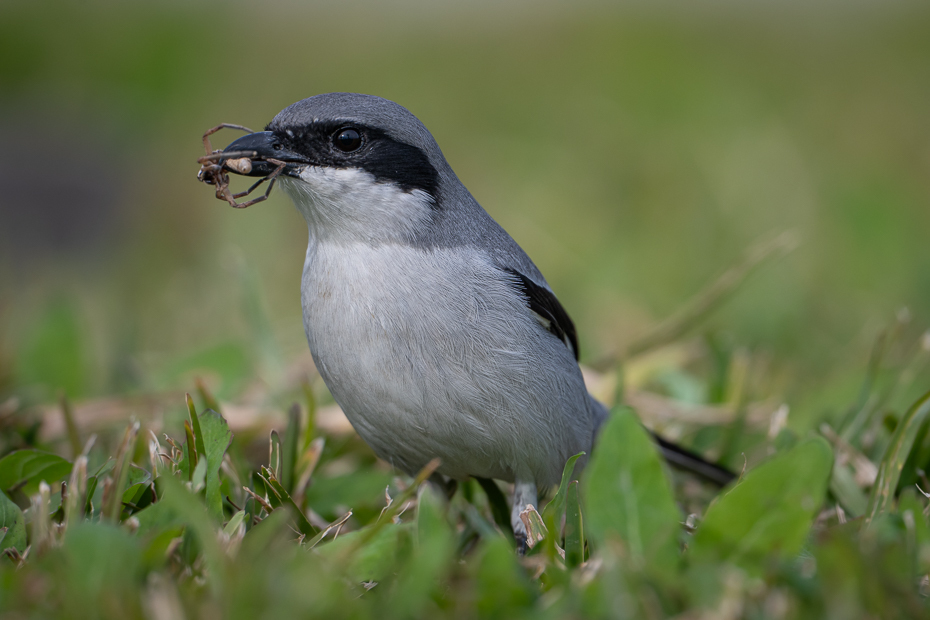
543 302
689 461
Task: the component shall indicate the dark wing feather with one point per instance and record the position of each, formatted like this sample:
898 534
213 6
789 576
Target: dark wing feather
689 461
543 302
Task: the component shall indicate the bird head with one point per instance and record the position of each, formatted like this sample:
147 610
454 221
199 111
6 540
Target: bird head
358 167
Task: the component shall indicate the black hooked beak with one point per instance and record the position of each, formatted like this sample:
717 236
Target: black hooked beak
250 155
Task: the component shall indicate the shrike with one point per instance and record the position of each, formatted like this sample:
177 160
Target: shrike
432 328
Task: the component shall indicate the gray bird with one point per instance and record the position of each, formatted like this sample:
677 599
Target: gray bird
432 328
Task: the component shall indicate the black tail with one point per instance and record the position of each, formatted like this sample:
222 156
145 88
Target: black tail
691 462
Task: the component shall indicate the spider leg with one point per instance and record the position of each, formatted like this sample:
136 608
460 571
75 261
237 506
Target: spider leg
210 132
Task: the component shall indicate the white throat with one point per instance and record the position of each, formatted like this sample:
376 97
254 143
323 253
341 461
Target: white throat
351 206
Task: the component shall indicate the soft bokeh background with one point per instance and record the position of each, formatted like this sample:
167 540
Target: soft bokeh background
634 151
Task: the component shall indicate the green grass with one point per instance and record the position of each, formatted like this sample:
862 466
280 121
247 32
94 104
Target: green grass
636 153
166 526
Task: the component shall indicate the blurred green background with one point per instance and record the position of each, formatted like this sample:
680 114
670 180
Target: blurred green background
634 151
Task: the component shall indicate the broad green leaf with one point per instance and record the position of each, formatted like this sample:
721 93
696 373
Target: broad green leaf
628 495
216 440
11 517
889 472
258 540
102 567
154 553
843 572
137 475
374 560
503 589
132 494
769 514
420 575
158 516
32 466
189 510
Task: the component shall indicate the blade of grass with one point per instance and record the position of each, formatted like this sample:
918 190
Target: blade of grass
195 427
845 490
113 504
259 499
889 472
284 499
191 451
232 528
326 530
873 396
552 514
289 448
77 492
274 453
41 521
306 465
74 438
574 528
388 514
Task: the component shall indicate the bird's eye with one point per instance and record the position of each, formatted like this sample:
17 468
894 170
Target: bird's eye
347 140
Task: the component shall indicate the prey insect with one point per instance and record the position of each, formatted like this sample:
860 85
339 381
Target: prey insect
214 167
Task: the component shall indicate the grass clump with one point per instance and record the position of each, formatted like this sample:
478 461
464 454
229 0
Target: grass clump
148 526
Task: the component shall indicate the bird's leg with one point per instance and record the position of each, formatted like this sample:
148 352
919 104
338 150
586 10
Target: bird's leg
524 494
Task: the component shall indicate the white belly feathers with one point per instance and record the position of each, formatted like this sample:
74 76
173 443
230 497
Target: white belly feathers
454 382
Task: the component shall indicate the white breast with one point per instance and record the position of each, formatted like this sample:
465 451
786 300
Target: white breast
433 353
